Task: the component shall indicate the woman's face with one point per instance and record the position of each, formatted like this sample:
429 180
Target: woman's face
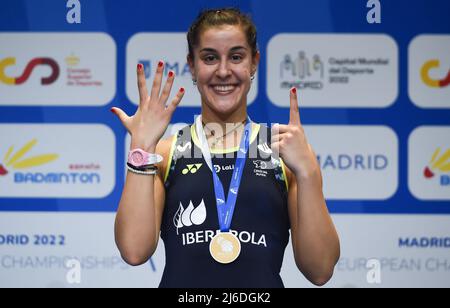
223 66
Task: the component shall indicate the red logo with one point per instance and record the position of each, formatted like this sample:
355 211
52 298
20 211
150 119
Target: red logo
438 163
28 70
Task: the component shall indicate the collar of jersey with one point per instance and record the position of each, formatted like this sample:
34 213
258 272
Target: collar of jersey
255 131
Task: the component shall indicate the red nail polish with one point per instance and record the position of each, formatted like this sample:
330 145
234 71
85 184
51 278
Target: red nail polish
112 110
160 63
170 74
294 90
182 90
139 67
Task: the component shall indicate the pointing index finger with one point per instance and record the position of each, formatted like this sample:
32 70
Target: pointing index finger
294 117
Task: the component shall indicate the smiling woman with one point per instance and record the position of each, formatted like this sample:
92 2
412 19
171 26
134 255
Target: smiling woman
223 58
213 239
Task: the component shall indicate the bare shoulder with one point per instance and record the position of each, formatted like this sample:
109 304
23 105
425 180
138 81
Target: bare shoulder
164 145
163 148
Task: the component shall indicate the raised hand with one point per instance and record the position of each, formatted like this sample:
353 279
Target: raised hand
152 117
291 144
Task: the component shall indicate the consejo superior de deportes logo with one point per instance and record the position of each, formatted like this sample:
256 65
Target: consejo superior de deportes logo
55 71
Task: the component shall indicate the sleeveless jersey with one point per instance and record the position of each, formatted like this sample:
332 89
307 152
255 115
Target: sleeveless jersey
190 219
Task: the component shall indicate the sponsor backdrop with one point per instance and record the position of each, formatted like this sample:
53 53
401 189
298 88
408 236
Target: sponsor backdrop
374 100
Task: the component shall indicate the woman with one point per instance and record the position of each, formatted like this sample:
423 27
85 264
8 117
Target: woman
185 200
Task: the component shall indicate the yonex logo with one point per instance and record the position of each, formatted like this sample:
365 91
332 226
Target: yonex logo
192 168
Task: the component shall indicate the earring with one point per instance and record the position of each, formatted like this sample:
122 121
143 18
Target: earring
252 77
194 82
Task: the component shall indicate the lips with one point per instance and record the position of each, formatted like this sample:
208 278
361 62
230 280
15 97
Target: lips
224 89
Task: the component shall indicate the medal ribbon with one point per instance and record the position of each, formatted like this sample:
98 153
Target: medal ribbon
225 207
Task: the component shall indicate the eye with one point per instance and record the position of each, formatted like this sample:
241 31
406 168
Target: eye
236 57
209 58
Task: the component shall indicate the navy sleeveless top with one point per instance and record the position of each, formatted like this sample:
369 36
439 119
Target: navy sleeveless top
190 220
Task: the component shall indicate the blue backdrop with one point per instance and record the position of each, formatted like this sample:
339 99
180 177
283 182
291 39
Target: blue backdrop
402 20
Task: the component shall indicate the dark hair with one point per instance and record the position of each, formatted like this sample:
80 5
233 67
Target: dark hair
219 17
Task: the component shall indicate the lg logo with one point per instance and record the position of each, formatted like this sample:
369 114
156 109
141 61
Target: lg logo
74 14
374 14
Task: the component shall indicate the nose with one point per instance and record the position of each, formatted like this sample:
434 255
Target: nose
223 71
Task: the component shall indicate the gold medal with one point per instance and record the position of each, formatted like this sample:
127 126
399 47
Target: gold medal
225 247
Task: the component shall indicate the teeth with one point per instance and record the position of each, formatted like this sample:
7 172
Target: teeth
225 88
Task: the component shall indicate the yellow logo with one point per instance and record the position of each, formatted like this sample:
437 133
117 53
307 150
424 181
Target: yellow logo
434 83
193 168
438 163
15 160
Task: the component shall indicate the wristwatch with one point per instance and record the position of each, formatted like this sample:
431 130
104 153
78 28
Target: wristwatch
139 158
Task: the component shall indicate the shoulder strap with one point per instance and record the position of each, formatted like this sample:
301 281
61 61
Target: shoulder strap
277 162
280 175
181 145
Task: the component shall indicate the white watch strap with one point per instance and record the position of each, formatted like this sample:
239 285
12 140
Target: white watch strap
152 172
154 159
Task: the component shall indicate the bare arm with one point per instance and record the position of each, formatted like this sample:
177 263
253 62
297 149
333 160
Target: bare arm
314 237
138 219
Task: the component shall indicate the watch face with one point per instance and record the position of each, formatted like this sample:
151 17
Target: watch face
137 158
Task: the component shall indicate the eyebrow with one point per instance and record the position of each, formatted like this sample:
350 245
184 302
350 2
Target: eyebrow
232 49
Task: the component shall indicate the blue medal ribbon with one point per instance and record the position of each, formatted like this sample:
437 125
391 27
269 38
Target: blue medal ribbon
225 207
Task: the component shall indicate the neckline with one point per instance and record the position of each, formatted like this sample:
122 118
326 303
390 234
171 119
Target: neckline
255 131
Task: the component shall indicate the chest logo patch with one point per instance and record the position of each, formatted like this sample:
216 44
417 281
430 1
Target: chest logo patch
192 168
190 216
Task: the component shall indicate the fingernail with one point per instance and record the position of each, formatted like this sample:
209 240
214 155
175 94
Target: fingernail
160 63
294 90
139 67
170 74
112 110
182 90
